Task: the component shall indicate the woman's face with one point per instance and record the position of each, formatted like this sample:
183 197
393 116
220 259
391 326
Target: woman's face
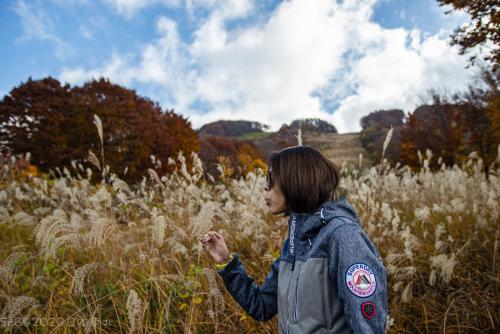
275 199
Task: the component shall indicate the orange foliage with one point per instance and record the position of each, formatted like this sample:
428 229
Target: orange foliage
55 124
241 156
31 170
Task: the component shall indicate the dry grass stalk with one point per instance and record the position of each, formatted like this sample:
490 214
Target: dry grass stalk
423 224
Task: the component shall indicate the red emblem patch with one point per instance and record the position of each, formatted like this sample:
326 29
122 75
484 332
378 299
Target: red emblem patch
368 309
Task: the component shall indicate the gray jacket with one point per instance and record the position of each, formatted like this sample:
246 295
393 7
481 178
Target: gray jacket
329 277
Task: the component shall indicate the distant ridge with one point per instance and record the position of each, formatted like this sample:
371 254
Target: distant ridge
339 148
312 124
228 128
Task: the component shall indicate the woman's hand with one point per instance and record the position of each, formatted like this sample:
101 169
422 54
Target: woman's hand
214 243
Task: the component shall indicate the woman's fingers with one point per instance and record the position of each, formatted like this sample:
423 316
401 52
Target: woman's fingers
211 240
218 236
212 234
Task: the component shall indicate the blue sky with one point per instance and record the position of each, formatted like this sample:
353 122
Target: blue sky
268 61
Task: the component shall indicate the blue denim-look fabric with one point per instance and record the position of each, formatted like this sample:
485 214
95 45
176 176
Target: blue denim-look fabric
308 283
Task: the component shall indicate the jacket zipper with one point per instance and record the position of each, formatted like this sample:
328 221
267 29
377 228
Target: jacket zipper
296 304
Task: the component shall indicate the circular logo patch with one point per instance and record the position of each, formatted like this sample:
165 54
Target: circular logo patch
360 279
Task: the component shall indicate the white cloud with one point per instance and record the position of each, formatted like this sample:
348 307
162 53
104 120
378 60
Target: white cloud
268 73
284 68
397 72
117 69
37 25
129 8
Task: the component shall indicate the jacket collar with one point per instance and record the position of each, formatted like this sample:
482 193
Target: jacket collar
303 226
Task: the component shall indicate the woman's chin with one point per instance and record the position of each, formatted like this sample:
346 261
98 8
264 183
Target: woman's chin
275 211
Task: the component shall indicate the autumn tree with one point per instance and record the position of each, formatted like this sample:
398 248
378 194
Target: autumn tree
453 128
31 121
437 128
55 123
374 130
483 30
481 119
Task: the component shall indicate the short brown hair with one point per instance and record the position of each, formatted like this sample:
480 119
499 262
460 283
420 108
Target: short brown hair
306 177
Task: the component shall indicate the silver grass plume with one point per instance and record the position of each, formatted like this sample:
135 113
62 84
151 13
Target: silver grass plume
445 265
202 223
78 282
98 124
214 291
155 177
299 134
158 230
92 158
134 310
15 305
8 269
49 229
386 142
100 232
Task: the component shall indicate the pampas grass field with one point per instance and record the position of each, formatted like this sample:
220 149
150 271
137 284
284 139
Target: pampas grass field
112 257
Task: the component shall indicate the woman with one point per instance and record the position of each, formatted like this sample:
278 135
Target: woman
329 277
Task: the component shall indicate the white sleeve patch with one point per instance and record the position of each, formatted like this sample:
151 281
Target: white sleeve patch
360 280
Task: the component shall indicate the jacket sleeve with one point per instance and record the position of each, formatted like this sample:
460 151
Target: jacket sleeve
260 302
357 269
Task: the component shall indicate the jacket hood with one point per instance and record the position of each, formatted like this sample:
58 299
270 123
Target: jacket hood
307 225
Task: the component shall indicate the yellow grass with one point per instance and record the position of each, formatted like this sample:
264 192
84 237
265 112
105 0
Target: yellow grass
106 258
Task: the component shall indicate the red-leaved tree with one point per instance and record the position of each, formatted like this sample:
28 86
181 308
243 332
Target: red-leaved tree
55 123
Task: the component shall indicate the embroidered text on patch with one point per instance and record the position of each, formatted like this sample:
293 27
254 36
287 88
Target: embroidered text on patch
360 280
